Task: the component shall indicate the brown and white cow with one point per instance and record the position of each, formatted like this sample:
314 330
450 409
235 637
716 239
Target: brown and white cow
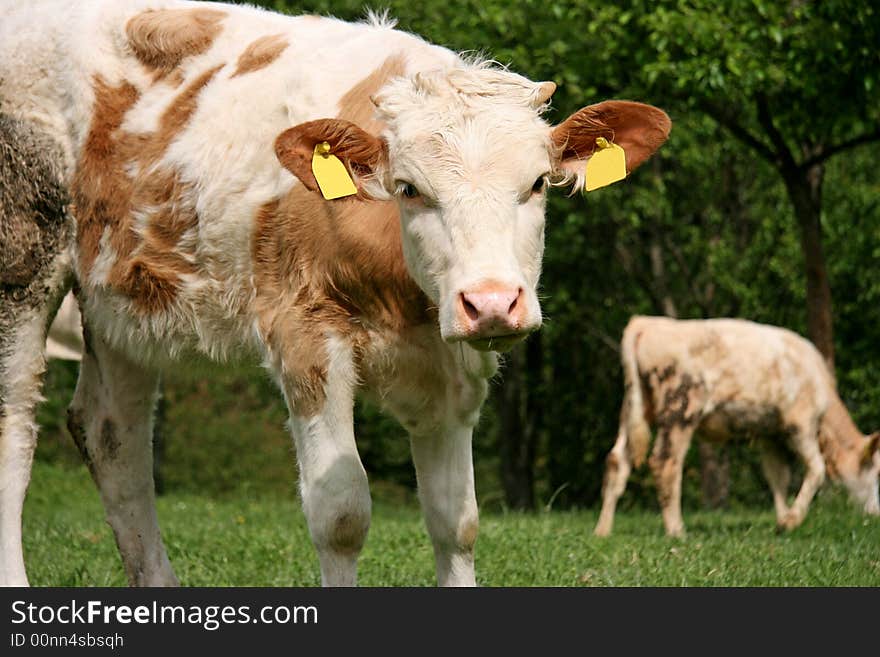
731 378
174 140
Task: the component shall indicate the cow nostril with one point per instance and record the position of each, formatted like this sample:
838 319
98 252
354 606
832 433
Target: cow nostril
515 302
469 308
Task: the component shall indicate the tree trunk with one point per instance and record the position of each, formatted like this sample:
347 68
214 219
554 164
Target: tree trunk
805 191
520 417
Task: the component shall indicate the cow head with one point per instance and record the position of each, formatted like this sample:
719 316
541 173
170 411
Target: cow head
468 158
859 472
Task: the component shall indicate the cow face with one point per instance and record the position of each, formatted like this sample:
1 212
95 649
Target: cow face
468 158
859 473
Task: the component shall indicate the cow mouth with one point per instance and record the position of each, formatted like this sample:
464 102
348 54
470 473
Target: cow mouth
497 342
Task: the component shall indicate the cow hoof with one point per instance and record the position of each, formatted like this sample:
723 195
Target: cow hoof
789 522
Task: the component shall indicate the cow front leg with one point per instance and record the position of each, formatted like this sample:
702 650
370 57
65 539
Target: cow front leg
617 468
667 462
445 473
778 475
21 368
111 422
332 481
806 446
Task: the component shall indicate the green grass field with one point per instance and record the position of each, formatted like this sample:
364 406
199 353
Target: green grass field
263 541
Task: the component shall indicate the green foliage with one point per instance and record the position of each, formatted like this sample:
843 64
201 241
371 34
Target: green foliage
805 58
263 541
852 224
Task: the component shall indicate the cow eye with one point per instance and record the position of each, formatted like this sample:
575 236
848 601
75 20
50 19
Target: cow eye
539 185
407 189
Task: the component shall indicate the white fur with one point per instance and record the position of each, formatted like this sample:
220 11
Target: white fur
449 135
18 437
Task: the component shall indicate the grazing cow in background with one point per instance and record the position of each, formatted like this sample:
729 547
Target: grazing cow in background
726 379
184 134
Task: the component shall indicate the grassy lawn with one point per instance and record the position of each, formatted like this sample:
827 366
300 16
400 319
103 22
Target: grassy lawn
263 541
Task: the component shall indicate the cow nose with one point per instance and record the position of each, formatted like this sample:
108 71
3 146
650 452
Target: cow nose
492 309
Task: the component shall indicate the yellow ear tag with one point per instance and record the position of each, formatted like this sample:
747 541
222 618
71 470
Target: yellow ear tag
607 165
331 174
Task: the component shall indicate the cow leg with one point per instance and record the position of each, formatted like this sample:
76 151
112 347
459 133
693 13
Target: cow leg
667 462
806 445
22 363
332 480
35 231
445 473
778 475
617 469
436 394
111 422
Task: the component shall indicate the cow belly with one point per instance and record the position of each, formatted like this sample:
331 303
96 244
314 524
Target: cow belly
195 328
737 420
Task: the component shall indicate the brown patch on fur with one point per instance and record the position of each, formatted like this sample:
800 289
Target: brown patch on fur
349 533
352 135
665 374
681 404
147 269
332 266
260 53
612 464
467 534
662 448
149 148
870 447
611 461
729 421
830 454
356 105
329 266
109 440
162 38
100 190
839 438
152 291
88 350
839 426
76 427
174 79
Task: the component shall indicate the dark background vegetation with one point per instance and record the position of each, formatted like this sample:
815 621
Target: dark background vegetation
764 204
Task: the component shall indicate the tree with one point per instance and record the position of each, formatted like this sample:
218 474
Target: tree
795 82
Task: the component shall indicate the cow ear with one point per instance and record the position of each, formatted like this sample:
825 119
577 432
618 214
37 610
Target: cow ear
637 128
363 154
871 447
